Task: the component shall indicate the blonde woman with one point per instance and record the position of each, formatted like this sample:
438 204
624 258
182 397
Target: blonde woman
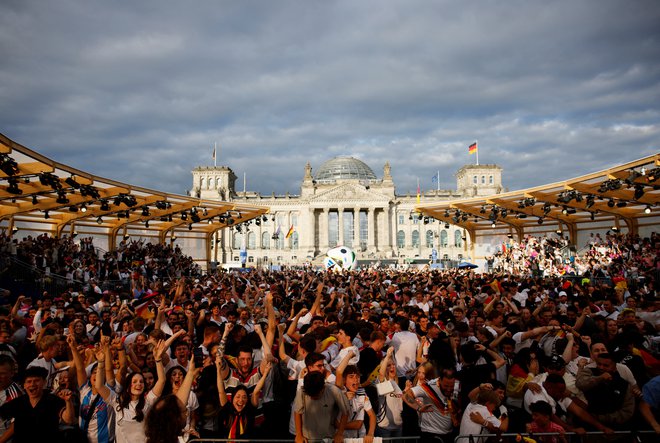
390 404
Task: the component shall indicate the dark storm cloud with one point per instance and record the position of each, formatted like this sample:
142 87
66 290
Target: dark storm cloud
139 92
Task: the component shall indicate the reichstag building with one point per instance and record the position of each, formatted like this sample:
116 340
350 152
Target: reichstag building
343 202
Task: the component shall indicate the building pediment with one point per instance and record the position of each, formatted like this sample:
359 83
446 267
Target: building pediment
349 192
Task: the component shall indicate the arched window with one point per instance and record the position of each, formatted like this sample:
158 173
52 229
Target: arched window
490 179
265 240
252 240
458 240
209 183
218 182
474 179
415 238
429 239
236 243
400 239
293 240
483 179
443 238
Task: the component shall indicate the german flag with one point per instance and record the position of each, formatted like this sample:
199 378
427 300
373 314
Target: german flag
472 149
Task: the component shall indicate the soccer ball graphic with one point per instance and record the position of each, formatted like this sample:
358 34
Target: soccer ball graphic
339 259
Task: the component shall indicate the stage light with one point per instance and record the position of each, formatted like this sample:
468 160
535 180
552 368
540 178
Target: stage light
13 187
72 182
99 220
83 207
647 210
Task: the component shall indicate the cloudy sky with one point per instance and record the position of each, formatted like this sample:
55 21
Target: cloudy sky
140 91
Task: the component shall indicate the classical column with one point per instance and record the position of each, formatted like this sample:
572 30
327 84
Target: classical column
371 230
324 227
340 217
393 227
311 231
356 229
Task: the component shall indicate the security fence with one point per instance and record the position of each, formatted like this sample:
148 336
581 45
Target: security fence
635 436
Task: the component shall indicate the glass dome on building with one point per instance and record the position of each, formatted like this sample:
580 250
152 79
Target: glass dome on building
343 168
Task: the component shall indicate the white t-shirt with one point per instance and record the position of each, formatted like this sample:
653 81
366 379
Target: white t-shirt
433 421
358 405
127 430
531 397
468 427
390 408
295 367
340 356
405 351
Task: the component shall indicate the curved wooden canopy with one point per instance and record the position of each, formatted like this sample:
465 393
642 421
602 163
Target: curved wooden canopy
37 191
628 193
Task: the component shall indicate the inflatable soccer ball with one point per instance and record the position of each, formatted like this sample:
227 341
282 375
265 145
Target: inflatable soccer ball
339 259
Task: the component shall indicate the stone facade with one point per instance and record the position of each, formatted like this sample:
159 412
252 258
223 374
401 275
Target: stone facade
375 222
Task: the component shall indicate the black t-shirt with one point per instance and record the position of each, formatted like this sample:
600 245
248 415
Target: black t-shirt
34 424
369 360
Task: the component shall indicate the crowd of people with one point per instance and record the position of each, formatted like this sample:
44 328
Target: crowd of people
80 262
548 256
308 355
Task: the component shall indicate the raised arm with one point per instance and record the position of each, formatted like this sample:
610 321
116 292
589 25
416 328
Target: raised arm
118 346
291 332
221 350
266 347
496 342
101 388
498 360
420 351
317 300
222 395
184 390
280 348
272 322
160 314
17 305
382 374
339 373
159 350
109 371
81 374
260 383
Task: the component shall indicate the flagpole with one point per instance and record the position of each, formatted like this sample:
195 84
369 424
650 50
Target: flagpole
215 154
477 143
438 181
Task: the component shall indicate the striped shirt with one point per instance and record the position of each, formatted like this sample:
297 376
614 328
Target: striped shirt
101 425
12 391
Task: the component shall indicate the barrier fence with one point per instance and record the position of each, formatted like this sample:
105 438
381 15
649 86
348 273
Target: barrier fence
638 436
572 437
413 439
